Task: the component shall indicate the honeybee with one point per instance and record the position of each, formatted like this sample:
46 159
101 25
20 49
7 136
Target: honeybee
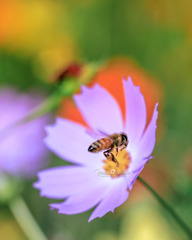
110 143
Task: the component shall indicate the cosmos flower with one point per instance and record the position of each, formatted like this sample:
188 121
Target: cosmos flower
22 152
93 180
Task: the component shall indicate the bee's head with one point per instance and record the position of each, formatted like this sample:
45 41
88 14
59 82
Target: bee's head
124 139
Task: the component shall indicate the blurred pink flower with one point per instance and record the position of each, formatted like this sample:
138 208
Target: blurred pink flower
22 152
95 180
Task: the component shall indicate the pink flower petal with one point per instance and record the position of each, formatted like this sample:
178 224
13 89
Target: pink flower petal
84 200
62 182
70 141
22 152
99 109
147 141
115 195
135 112
134 170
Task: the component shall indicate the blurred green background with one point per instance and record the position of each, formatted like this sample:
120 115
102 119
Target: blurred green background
40 37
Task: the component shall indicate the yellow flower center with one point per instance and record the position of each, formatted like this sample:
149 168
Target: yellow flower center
111 167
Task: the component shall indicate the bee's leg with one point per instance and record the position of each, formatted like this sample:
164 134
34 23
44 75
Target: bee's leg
117 150
115 147
124 146
108 153
114 160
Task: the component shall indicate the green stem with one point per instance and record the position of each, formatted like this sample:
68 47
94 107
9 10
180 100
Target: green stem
167 207
26 220
65 89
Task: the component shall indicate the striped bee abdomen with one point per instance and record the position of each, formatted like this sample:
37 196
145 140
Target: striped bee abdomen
100 145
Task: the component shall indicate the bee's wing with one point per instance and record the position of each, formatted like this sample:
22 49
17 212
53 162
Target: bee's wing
96 134
103 134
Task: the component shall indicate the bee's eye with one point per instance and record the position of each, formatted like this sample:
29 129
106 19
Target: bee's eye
124 138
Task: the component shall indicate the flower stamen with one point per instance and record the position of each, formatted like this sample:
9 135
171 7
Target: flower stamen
111 168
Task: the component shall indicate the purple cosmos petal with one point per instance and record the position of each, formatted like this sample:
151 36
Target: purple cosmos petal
133 171
62 182
115 195
22 152
135 112
147 141
99 109
70 141
86 199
